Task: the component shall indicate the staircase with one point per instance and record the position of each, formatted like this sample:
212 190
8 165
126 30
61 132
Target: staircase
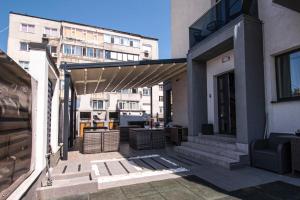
213 149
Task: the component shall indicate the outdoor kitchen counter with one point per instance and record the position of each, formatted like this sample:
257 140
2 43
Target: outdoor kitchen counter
143 138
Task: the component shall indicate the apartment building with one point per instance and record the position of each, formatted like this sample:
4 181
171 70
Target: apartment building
243 75
70 42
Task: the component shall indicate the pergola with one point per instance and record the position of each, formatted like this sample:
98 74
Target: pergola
89 78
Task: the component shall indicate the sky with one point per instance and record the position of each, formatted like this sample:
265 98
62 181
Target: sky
145 17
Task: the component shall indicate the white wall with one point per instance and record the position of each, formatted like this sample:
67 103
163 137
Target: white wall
179 92
215 67
183 14
281 33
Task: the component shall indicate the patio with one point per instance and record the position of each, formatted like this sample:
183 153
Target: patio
140 171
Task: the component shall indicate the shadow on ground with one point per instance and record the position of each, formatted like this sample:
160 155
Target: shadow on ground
192 188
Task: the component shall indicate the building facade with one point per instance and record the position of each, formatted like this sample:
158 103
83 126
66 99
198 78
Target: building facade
243 74
70 42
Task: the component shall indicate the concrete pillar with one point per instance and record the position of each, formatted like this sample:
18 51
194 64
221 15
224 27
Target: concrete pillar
66 120
197 96
249 80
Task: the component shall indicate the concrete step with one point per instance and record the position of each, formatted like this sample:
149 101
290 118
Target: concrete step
67 185
212 158
217 150
214 142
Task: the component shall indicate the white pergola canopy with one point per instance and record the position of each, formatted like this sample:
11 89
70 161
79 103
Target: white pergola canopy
92 78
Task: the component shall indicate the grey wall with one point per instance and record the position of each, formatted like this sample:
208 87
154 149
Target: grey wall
249 77
197 95
249 80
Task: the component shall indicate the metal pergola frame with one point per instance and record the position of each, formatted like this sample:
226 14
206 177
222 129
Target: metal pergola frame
70 96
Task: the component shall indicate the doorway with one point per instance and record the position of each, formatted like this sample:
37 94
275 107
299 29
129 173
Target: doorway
226 104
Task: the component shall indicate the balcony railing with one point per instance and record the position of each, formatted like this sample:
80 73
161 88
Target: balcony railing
220 15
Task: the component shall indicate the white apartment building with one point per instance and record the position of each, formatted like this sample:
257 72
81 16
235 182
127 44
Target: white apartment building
70 42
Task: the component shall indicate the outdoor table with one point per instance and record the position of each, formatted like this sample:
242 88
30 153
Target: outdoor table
124 131
142 138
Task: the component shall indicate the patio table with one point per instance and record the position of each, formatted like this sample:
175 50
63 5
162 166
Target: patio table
142 138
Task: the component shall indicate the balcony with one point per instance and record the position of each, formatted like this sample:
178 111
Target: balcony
218 16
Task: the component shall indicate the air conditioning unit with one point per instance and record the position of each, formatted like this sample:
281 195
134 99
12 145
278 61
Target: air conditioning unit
54 54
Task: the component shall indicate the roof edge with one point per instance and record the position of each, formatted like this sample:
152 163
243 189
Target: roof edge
121 64
81 24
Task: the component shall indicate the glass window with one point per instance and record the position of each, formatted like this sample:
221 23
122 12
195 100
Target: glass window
54 32
28 28
120 56
288 75
161 87
107 38
90 52
107 55
24 64
125 58
23 27
98 105
113 55
146 92
98 53
161 109
24 46
117 40
126 41
131 43
67 49
16 128
135 58
78 51
136 43
130 57
47 31
161 98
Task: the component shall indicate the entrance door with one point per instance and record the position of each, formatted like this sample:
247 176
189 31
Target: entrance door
226 104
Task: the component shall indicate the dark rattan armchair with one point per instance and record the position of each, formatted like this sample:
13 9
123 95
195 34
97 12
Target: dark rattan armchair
273 154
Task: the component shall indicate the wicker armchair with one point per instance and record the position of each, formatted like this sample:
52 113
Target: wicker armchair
273 154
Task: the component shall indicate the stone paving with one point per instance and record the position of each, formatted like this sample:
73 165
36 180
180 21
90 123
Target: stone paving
242 180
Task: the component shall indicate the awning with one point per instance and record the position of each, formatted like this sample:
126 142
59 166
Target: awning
89 78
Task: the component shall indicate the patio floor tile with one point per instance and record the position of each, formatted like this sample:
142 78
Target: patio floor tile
138 190
109 194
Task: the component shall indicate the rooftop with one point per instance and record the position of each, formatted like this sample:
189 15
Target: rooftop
92 26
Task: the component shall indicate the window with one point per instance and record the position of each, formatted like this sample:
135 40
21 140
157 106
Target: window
146 92
128 105
28 28
24 46
16 140
78 51
50 31
113 55
161 98
130 57
24 64
136 58
67 49
120 56
161 109
107 55
52 49
98 105
90 52
107 38
288 75
85 115
161 87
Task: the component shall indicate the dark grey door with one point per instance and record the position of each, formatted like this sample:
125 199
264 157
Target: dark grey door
226 104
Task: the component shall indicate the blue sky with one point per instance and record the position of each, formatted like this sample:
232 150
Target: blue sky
146 17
